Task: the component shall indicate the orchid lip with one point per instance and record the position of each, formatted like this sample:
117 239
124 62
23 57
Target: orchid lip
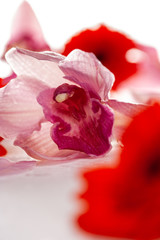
72 99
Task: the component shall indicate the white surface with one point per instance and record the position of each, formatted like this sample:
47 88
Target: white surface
42 204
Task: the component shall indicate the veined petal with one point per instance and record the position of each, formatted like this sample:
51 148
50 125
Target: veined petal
46 55
109 46
79 122
14 153
86 70
128 109
43 66
19 110
40 145
10 168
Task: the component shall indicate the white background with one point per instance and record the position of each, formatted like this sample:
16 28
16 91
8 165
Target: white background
60 19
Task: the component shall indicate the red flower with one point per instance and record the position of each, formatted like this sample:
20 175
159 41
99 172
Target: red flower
125 201
110 48
1 82
3 151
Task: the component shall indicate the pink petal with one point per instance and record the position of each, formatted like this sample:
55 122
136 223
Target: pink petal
10 168
19 110
47 55
128 109
43 66
40 145
26 31
85 69
14 153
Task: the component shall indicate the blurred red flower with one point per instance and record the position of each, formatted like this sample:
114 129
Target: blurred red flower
125 201
110 47
3 151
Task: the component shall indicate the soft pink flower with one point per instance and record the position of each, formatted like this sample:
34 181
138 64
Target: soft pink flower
58 107
26 31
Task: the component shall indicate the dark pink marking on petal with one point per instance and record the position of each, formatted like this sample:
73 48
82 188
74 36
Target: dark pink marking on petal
80 123
91 137
74 100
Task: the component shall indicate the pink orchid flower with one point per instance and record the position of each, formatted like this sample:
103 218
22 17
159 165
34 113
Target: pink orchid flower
58 107
25 33
57 102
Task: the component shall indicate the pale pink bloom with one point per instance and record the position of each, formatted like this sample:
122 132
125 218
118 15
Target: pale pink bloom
26 31
58 107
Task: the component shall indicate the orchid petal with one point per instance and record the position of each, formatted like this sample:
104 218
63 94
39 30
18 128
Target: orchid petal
81 124
14 153
128 109
19 110
10 168
85 70
26 31
43 66
40 145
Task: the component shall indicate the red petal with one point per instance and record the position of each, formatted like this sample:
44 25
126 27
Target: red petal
3 151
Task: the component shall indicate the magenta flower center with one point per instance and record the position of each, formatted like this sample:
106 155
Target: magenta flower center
72 99
80 121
